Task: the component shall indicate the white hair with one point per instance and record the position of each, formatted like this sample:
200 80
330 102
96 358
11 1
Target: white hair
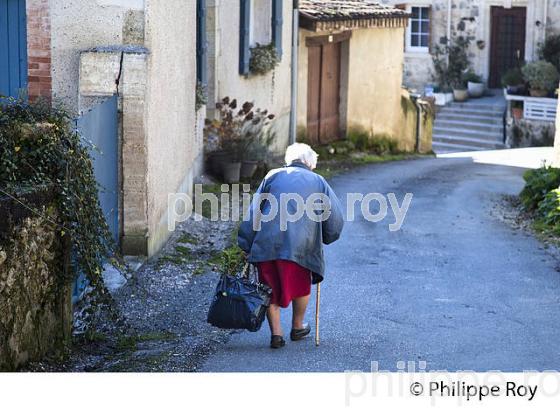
302 153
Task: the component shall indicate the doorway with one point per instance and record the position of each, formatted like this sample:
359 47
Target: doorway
507 42
323 87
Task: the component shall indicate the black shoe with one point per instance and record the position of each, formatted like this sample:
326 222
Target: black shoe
298 334
276 342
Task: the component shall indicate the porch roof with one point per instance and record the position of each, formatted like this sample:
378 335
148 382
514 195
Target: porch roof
335 14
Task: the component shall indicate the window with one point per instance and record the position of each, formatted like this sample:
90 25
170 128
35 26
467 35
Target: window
418 32
260 22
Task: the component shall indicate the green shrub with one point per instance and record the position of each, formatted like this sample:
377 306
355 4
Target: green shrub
539 182
549 210
359 138
382 145
550 50
232 260
541 75
513 77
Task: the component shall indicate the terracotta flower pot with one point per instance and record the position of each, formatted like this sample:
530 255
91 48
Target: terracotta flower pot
460 95
537 93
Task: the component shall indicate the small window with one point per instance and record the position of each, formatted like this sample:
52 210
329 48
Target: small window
418 33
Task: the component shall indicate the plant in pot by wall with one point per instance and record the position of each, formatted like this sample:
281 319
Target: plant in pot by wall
264 58
440 75
457 67
451 62
235 132
513 81
475 85
542 78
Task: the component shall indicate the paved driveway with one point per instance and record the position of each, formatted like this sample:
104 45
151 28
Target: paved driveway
456 287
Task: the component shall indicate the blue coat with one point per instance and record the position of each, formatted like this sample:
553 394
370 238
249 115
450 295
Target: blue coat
302 241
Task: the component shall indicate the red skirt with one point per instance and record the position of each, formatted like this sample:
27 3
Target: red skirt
287 279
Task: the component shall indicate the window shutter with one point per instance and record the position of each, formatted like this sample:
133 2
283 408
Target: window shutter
201 43
277 24
244 30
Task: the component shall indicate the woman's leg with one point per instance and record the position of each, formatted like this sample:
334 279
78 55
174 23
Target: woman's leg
273 316
299 306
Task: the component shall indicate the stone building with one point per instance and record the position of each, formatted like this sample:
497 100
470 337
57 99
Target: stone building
350 70
80 52
501 33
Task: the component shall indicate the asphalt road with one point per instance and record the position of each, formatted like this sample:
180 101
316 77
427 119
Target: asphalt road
456 287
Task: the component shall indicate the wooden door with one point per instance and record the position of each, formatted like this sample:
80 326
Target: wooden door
329 126
323 93
507 43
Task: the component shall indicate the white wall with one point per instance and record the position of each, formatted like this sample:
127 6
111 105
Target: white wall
271 91
77 25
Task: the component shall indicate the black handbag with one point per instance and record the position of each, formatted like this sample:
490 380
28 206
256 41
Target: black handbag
239 302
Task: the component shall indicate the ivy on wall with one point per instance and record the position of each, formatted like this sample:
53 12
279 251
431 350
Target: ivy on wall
38 148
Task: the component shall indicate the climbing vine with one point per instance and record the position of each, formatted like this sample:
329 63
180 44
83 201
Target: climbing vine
39 148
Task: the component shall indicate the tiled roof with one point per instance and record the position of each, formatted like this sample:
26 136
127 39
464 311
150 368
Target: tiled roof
337 10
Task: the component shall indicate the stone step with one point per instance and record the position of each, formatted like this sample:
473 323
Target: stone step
482 107
468 133
468 124
472 112
479 119
443 148
469 142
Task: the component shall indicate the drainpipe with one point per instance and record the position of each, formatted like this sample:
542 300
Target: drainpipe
295 34
414 98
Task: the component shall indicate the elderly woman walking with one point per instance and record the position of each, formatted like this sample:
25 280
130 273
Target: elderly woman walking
288 251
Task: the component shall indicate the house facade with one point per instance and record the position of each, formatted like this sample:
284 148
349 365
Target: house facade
79 53
233 28
502 33
350 74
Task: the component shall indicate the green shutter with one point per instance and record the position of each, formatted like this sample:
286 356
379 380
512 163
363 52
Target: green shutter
201 43
277 23
244 30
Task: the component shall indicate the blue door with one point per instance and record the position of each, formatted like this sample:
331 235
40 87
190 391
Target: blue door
13 48
99 129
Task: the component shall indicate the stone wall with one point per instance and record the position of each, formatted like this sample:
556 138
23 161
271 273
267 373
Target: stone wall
35 299
529 133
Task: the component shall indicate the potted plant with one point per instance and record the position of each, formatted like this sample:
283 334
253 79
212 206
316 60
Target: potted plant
450 64
542 78
517 110
475 85
236 132
513 81
443 92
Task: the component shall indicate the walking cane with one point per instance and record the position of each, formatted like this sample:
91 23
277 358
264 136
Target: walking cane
317 307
